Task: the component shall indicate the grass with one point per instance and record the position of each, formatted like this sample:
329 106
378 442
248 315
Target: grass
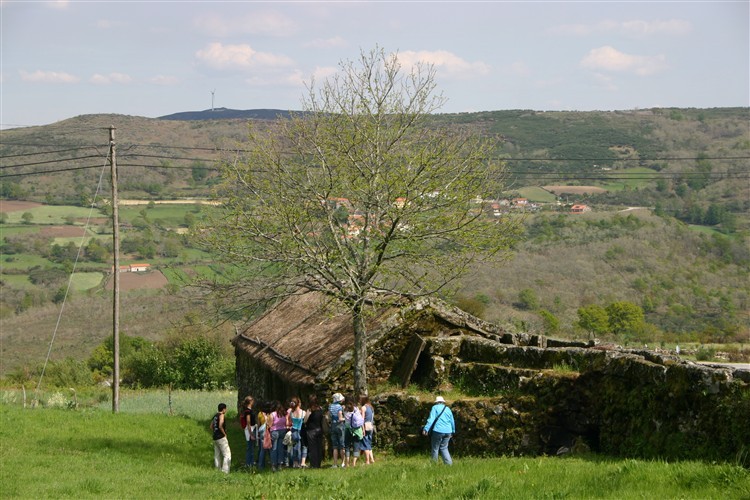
8 230
18 281
24 261
52 214
85 281
172 215
537 194
709 230
78 241
636 183
191 404
92 453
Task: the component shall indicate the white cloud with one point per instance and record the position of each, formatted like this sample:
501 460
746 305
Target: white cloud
327 43
164 80
610 59
259 23
636 27
446 63
239 57
110 79
48 77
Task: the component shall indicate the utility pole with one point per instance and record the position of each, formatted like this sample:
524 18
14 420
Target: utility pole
116 280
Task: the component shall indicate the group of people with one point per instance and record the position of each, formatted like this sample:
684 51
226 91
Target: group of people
290 435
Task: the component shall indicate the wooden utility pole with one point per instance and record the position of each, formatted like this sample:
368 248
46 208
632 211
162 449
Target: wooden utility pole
116 277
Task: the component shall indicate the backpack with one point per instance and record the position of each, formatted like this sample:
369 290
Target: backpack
267 443
356 420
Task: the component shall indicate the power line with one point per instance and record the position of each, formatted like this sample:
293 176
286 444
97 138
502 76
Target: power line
47 152
139 155
744 174
50 161
44 172
592 159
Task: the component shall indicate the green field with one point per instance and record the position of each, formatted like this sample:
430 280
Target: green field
13 230
17 281
171 215
76 240
52 214
85 281
638 182
55 452
23 261
537 195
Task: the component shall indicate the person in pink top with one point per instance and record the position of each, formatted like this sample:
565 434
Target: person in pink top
279 425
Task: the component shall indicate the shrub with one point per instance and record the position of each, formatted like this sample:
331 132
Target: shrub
705 353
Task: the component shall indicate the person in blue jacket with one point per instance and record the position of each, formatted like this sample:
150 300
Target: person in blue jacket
440 427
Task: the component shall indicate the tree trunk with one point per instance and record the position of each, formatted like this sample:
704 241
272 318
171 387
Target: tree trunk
360 351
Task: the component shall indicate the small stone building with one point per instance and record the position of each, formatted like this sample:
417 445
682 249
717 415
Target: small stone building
524 394
305 345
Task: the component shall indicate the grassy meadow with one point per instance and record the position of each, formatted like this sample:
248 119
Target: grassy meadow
142 452
52 214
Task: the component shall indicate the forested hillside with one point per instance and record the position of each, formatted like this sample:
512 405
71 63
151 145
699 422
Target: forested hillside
680 262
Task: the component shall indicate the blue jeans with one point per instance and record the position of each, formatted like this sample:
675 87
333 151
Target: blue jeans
439 442
263 452
337 436
296 447
250 453
278 454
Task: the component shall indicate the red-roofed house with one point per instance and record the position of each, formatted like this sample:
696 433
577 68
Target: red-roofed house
579 209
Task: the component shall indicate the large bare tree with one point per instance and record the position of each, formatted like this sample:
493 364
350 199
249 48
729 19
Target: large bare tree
363 196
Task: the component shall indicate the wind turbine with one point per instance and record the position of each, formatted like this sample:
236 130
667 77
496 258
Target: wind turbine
212 99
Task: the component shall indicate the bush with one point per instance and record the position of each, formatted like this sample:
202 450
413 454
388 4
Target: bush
705 353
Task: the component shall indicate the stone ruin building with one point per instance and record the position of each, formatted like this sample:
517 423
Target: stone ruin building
521 394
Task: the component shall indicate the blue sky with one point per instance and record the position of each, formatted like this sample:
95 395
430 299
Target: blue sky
67 58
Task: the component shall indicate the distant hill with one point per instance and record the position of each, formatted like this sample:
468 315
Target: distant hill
228 114
684 257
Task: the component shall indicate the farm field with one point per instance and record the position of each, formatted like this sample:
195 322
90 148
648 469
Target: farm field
17 205
51 214
172 215
85 281
139 455
641 177
537 194
575 190
153 279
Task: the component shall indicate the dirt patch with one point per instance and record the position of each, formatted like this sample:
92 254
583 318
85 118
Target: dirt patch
17 206
139 281
94 220
62 231
575 189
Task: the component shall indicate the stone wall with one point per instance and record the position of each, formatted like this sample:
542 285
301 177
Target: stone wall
530 401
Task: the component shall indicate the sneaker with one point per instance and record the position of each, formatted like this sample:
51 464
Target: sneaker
334 466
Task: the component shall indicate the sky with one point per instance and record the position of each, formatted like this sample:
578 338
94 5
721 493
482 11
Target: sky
61 59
